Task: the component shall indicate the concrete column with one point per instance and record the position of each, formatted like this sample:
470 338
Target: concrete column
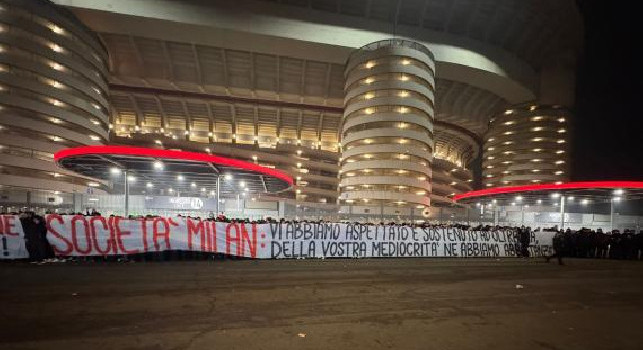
562 212
218 193
126 194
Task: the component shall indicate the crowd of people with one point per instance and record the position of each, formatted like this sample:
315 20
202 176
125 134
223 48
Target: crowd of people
584 243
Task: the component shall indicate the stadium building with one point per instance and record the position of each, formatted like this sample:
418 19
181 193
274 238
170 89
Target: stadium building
376 108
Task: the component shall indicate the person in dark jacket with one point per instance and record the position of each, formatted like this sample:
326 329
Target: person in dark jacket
559 247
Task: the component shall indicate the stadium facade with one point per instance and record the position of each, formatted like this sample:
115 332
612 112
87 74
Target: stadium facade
374 107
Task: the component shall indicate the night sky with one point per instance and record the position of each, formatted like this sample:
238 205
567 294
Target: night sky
608 124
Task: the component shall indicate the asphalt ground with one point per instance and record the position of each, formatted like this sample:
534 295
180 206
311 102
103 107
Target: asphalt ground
323 304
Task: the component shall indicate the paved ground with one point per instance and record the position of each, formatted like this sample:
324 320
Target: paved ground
329 304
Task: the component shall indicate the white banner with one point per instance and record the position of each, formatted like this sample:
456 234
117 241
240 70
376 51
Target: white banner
95 235
12 238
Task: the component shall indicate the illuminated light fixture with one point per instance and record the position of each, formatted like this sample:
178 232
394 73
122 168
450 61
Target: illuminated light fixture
405 61
571 198
507 162
453 183
537 139
350 161
115 171
537 128
560 162
367 170
369 96
490 167
508 152
518 198
513 203
509 111
532 108
558 183
489 185
350 174
403 141
158 142
584 201
228 177
95 122
491 149
56 29
420 193
535 170
149 185
193 184
508 133
298 178
537 149
403 93
555 195
491 158
478 204
97 106
401 171
370 64
210 133
616 199
619 192
494 201
246 189
56 138
158 165
202 189
56 84
536 160
242 184
506 172
298 165
404 110
56 48
255 138
561 120
489 175
94 137
207 150
561 131
419 207
55 120
509 123
55 102
404 78
539 201
56 66
536 119
299 152
234 136
367 156
186 132
508 143
368 80
131 179
560 141
254 157
555 204
349 201
180 177
93 184
422 178
491 139
560 151
170 190
559 172
368 111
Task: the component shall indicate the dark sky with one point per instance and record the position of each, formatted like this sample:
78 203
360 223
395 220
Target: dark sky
608 124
